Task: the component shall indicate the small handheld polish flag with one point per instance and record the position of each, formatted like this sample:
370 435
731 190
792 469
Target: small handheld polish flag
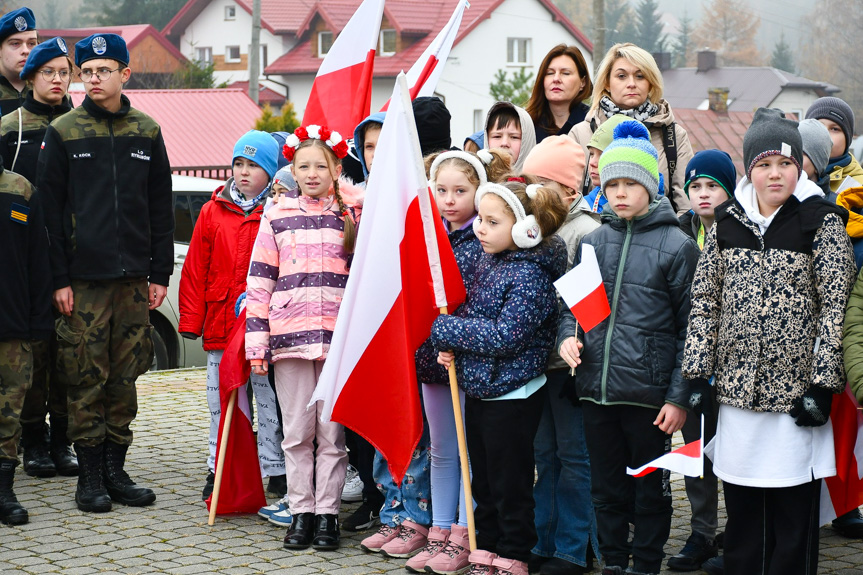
582 290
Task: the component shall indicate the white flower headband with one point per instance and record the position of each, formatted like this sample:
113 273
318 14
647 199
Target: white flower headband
525 232
467 157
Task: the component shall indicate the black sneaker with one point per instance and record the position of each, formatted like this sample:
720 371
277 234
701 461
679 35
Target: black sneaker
714 566
697 550
850 525
365 517
208 486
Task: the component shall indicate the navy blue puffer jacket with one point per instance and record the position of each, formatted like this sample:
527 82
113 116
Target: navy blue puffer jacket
502 335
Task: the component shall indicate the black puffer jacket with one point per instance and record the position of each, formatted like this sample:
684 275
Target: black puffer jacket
634 356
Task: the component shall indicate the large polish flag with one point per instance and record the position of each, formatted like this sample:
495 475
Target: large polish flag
402 273
242 490
688 460
844 491
426 71
341 95
582 290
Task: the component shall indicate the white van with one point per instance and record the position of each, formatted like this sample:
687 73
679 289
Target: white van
171 350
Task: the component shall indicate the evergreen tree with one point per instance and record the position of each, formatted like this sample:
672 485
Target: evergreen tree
515 90
683 48
648 28
121 12
618 23
286 121
782 57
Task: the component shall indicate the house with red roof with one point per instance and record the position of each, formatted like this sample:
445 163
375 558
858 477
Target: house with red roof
200 127
296 34
152 58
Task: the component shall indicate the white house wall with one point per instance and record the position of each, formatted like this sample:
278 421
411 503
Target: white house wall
211 29
472 63
794 100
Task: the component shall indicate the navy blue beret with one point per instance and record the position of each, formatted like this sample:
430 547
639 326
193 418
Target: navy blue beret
97 46
19 20
44 52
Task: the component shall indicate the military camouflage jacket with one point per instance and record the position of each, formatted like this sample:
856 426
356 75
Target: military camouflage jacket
33 122
108 205
25 279
10 98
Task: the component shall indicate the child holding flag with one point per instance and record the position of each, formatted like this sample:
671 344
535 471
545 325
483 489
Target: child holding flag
295 285
500 339
629 377
768 302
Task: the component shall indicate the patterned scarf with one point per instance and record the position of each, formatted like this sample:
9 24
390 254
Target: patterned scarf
241 201
641 113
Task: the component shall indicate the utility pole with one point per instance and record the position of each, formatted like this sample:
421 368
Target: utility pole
255 51
599 32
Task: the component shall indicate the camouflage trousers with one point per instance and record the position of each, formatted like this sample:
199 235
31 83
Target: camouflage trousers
16 373
103 347
48 391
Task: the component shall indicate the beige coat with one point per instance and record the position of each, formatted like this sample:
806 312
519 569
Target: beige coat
582 133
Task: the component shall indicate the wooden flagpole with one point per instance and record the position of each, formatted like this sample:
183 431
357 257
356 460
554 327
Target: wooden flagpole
220 459
462 451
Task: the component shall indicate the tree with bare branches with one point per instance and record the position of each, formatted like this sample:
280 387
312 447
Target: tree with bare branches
729 27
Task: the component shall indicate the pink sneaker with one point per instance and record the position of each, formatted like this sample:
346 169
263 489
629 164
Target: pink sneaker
481 563
409 541
436 541
373 543
509 567
453 558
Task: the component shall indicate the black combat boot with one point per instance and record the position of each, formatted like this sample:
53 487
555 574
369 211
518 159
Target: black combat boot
11 512
120 486
61 452
91 494
37 461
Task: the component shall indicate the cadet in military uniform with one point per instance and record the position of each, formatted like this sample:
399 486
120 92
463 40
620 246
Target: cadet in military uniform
18 37
25 317
105 176
48 72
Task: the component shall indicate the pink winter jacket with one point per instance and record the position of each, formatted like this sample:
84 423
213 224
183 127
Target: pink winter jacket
298 276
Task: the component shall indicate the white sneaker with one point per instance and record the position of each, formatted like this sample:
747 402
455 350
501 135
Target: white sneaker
281 518
269 510
353 490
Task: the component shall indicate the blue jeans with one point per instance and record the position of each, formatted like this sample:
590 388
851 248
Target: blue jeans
411 500
565 522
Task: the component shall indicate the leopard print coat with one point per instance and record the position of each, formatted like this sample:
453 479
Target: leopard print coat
767 310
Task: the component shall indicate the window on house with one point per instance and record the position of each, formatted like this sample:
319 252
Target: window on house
204 56
232 53
388 42
325 42
518 51
230 12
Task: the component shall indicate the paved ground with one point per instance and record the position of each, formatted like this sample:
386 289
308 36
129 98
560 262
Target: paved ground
173 537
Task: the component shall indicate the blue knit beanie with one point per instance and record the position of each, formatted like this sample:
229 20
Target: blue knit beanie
630 155
713 164
43 53
259 147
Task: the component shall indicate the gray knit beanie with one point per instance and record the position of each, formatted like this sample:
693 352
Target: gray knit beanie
816 143
835 109
771 134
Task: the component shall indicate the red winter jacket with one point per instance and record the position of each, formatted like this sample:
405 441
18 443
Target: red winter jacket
214 273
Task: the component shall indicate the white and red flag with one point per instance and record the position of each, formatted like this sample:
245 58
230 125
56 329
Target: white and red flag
341 95
688 460
242 490
403 271
844 491
426 71
582 290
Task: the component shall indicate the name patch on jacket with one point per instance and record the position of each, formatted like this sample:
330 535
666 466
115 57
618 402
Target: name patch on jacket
19 214
82 156
140 155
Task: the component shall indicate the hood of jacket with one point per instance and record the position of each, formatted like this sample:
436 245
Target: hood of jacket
528 133
746 196
852 200
359 138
